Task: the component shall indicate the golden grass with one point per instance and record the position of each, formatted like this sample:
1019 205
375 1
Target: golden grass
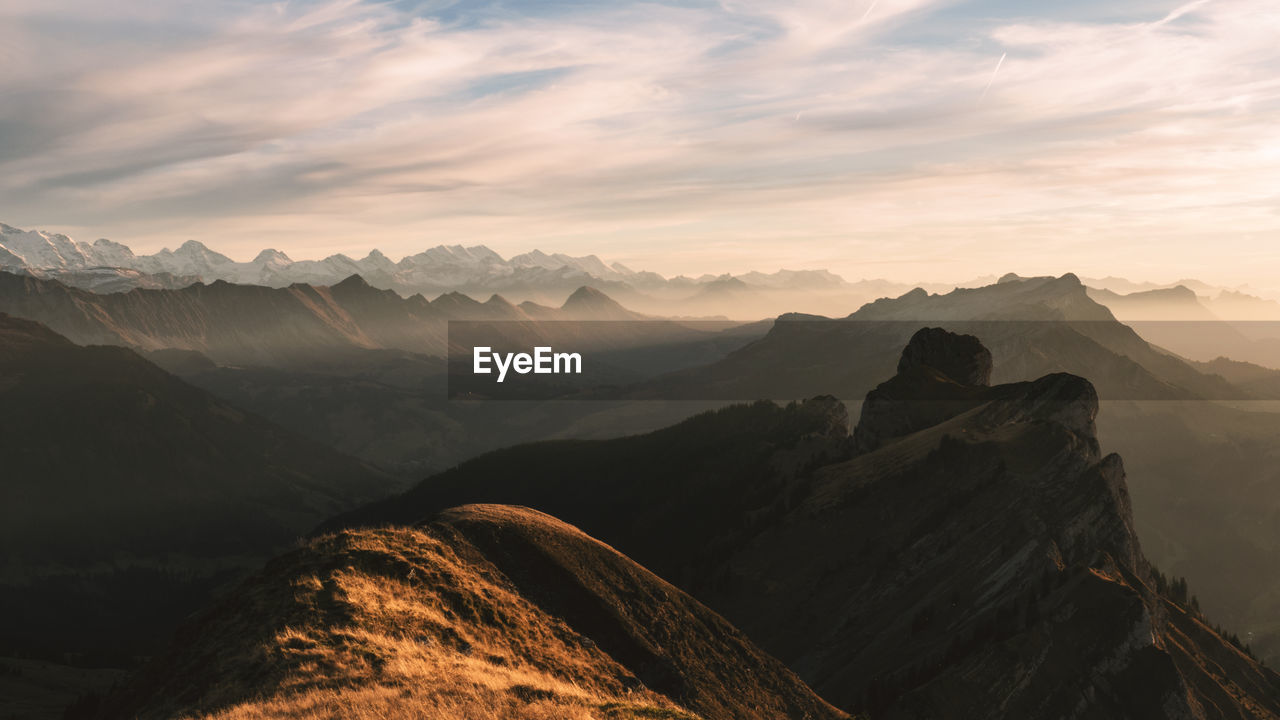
392 623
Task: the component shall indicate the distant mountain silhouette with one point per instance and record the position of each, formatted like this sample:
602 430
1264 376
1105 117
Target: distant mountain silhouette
106 266
254 325
128 494
588 303
1180 321
968 553
484 611
1176 303
1033 326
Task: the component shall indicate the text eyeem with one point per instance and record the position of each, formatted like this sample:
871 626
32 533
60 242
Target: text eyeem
543 361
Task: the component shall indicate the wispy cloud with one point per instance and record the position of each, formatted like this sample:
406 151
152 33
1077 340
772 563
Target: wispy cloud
682 137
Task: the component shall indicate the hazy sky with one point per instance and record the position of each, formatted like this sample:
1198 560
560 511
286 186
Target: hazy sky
908 139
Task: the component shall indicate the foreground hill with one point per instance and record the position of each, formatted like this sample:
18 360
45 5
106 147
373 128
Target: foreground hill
967 553
127 494
486 611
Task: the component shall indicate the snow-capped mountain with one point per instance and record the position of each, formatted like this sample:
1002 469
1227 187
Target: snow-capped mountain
37 249
478 271
436 270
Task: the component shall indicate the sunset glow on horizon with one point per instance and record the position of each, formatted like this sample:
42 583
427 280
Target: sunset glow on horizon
914 140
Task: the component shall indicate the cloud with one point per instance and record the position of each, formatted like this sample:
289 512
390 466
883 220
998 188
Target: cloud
685 138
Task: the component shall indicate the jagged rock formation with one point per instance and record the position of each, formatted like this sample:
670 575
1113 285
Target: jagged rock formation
948 368
991 570
486 611
962 358
978 560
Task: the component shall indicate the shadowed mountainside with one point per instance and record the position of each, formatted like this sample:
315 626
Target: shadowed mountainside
674 499
974 558
486 611
993 569
128 493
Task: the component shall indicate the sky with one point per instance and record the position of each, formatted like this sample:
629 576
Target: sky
915 140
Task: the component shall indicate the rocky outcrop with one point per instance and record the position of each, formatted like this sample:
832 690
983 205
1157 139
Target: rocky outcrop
961 358
940 375
977 559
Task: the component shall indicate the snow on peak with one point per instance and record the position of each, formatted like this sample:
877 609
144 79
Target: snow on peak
272 257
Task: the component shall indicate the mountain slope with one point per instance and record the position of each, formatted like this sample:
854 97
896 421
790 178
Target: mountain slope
994 569
487 611
969 553
704 482
128 492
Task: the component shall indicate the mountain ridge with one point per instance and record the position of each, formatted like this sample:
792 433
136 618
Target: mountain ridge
438 269
258 325
1032 326
980 562
480 611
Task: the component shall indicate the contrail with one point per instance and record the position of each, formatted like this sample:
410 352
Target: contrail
870 7
993 76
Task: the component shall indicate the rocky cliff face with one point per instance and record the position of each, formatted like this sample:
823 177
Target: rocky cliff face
974 556
977 559
939 375
961 358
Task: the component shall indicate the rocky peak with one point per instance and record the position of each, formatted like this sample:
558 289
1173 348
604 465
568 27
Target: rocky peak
961 358
353 282
271 256
942 374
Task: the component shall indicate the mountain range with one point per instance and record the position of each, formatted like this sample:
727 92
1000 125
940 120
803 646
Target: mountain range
106 266
943 471
1033 326
301 324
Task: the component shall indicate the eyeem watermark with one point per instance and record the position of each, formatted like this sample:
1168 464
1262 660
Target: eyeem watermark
543 361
